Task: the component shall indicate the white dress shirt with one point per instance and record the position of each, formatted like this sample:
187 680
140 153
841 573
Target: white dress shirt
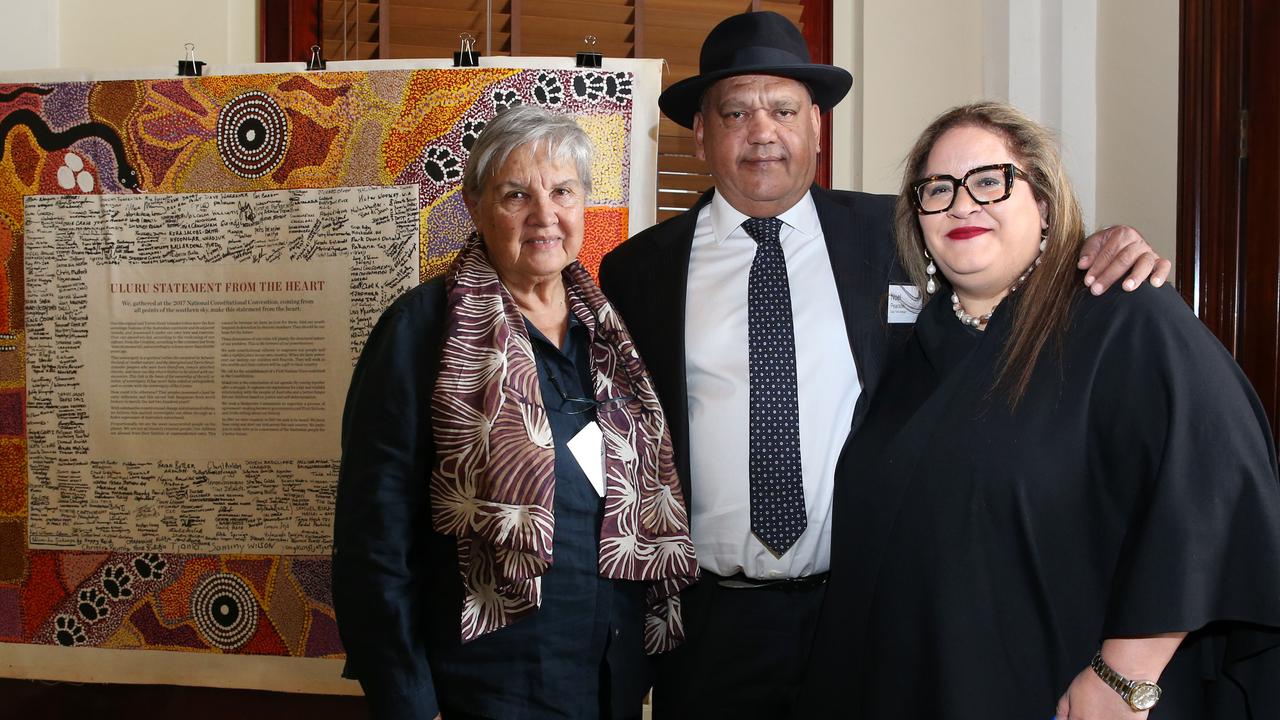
719 388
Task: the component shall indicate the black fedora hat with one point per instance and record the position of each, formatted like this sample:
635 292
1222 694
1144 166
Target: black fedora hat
754 43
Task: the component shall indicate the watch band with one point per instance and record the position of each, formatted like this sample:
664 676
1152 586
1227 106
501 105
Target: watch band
1139 694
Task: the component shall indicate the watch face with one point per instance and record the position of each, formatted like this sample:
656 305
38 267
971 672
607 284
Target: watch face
1144 696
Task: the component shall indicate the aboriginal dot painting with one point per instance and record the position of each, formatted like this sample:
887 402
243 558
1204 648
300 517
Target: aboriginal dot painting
231 134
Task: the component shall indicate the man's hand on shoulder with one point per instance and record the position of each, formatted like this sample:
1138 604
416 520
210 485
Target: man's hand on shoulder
1114 251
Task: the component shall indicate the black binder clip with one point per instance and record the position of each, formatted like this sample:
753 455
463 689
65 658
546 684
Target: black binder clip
590 58
316 62
467 56
191 67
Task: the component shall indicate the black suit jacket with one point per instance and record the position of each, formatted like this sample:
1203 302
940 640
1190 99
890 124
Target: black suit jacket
646 278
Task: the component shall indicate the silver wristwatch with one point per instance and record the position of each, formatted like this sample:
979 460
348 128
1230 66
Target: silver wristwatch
1140 694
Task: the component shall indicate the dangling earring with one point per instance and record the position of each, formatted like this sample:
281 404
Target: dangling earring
1044 238
931 287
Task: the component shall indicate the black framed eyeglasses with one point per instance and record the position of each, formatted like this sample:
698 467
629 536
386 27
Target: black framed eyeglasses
987 184
577 405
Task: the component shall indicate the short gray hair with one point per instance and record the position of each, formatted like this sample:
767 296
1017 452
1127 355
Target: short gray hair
553 133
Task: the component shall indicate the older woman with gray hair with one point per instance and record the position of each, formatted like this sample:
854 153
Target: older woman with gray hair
510 535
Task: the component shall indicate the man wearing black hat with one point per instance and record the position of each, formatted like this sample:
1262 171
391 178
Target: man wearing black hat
737 307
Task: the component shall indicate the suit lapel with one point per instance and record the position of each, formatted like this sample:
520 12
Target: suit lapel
670 284
859 283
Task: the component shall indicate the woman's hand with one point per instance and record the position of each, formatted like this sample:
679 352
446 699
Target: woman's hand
1089 698
1139 658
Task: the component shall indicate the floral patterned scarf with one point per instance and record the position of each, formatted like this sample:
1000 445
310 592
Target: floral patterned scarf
494 479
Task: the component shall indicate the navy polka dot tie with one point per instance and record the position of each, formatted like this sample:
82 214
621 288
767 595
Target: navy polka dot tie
777 490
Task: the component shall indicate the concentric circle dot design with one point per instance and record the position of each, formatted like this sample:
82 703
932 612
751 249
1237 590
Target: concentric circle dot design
253 134
225 611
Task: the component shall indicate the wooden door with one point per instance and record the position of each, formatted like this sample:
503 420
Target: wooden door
1229 181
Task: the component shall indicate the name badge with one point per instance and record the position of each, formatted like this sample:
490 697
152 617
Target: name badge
904 304
588 449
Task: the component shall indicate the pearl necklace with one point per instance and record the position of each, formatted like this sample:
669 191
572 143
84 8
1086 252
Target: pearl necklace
979 322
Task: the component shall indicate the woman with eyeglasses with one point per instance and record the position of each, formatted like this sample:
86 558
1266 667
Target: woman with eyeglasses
510 534
1060 505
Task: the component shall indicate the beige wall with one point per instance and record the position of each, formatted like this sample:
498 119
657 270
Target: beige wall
1138 117
892 48
897 91
152 33
919 59
28 35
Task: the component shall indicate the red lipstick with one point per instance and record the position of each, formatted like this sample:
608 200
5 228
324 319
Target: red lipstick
964 233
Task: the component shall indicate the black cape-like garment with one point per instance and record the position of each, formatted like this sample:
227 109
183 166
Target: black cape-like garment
980 556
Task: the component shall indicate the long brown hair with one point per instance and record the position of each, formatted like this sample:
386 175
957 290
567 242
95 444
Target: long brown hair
1041 315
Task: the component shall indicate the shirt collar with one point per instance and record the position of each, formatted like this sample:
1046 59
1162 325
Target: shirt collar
725 218
575 327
